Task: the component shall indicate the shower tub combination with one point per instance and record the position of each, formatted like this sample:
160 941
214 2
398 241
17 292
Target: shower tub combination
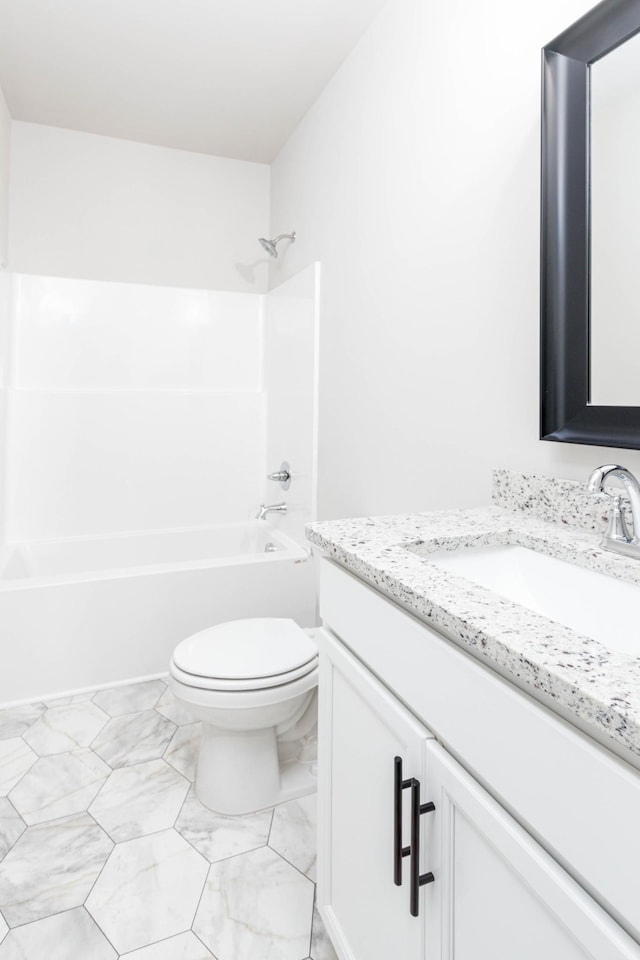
81 613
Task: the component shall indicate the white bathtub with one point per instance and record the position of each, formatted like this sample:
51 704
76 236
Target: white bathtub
82 612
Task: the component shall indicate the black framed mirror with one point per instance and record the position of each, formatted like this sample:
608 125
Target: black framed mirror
568 412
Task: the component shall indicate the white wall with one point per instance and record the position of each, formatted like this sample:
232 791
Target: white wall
131 408
5 147
414 179
94 207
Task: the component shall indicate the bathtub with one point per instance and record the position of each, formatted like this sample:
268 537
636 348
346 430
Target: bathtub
81 613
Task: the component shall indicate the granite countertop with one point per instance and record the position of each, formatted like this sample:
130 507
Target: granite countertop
584 679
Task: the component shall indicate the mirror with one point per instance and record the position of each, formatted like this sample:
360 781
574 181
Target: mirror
614 328
590 283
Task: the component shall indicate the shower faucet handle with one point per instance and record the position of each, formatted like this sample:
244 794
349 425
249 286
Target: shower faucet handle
282 476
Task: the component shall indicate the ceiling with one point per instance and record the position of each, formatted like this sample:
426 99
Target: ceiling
230 78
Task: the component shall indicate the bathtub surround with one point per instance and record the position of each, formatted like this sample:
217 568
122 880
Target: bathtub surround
132 408
137 427
106 859
5 149
595 688
5 358
149 408
291 350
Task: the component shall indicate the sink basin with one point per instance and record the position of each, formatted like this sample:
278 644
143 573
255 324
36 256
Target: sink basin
593 604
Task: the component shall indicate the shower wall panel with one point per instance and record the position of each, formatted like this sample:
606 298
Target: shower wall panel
86 335
102 462
131 408
5 359
291 379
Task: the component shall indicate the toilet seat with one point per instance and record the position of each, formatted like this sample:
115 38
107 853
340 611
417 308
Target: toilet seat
244 655
241 685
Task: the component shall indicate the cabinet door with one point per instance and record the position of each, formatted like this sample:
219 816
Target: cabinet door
497 894
362 728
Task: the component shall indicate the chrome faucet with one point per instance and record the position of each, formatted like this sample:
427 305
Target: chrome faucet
271 508
617 537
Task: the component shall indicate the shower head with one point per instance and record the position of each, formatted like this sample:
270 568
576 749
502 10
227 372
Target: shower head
270 245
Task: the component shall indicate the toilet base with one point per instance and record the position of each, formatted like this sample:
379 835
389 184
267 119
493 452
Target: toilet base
297 779
240 773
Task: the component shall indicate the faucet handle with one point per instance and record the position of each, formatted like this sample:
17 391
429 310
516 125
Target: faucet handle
617 526
282 476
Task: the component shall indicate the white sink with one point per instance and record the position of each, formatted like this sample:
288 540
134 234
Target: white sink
593 604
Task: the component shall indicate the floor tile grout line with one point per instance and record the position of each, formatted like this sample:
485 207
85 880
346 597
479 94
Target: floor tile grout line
22 776
200 940
313 916
153 943
152 833
138 713
55 820
164 755
83 906
100 872
184 724
56 913
140 683
138 763
66 816
24 824
204 887
120 763
173 736
222 859
243 853
133 713
301 872
186 796
10 801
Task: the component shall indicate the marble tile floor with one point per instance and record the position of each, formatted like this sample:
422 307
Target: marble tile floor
105 852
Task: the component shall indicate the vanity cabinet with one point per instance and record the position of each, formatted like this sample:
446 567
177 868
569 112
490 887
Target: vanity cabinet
490 890
364 728
496 894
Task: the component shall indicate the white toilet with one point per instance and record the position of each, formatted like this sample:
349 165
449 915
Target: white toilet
253 684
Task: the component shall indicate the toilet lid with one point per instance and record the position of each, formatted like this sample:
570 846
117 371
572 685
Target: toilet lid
246 650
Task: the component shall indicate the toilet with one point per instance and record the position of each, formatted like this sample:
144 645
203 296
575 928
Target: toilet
253 684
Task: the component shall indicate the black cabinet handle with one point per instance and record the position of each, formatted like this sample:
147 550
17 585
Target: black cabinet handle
398 850
417 879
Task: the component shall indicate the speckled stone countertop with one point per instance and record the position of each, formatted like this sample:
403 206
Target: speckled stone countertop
600 688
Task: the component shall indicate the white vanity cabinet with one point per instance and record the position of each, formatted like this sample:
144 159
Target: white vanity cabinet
364 728
496 893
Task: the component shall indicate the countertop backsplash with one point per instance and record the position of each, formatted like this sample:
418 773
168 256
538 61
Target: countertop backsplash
558 501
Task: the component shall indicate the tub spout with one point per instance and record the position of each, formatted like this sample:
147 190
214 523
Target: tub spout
270 508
